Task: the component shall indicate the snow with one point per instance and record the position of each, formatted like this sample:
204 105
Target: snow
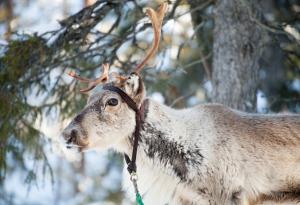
158 97
261 102
40 16
296 85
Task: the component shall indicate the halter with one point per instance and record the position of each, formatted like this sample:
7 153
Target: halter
139 115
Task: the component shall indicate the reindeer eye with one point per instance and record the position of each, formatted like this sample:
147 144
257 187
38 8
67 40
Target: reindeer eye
112 102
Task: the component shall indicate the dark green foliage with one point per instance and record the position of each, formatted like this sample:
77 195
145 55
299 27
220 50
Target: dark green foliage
19 56
17 117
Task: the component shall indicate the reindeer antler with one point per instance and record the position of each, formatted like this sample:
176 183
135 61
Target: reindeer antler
156 18
92 82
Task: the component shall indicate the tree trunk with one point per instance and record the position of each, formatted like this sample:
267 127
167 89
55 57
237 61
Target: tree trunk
237 48
9 18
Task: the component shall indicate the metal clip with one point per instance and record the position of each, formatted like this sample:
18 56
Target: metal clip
133 176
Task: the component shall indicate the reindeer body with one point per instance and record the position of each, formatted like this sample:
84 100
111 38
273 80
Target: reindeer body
206 155
211 154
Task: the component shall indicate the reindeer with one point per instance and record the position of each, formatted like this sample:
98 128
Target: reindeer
204 155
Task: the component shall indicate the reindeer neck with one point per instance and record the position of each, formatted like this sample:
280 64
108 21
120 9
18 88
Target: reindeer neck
162 123
165 139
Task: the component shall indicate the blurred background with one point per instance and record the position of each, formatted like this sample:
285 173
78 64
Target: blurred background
242 53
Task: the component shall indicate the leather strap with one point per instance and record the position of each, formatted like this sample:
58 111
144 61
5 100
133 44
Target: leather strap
139 114
124 96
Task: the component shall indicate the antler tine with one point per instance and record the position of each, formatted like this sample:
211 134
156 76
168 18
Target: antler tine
120 78
74 75
156 18
93 82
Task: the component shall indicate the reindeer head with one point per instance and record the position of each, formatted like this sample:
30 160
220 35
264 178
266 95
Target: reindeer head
107 120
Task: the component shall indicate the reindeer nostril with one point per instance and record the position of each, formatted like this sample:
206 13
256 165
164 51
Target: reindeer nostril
74 135
71 137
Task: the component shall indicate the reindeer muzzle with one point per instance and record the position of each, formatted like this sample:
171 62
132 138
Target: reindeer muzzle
74 137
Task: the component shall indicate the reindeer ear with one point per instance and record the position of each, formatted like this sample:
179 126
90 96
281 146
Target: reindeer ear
134 87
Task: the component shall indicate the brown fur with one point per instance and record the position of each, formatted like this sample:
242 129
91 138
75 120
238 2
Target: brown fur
276 138
278 197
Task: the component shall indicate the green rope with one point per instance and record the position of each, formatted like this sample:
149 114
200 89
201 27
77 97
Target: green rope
138 199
